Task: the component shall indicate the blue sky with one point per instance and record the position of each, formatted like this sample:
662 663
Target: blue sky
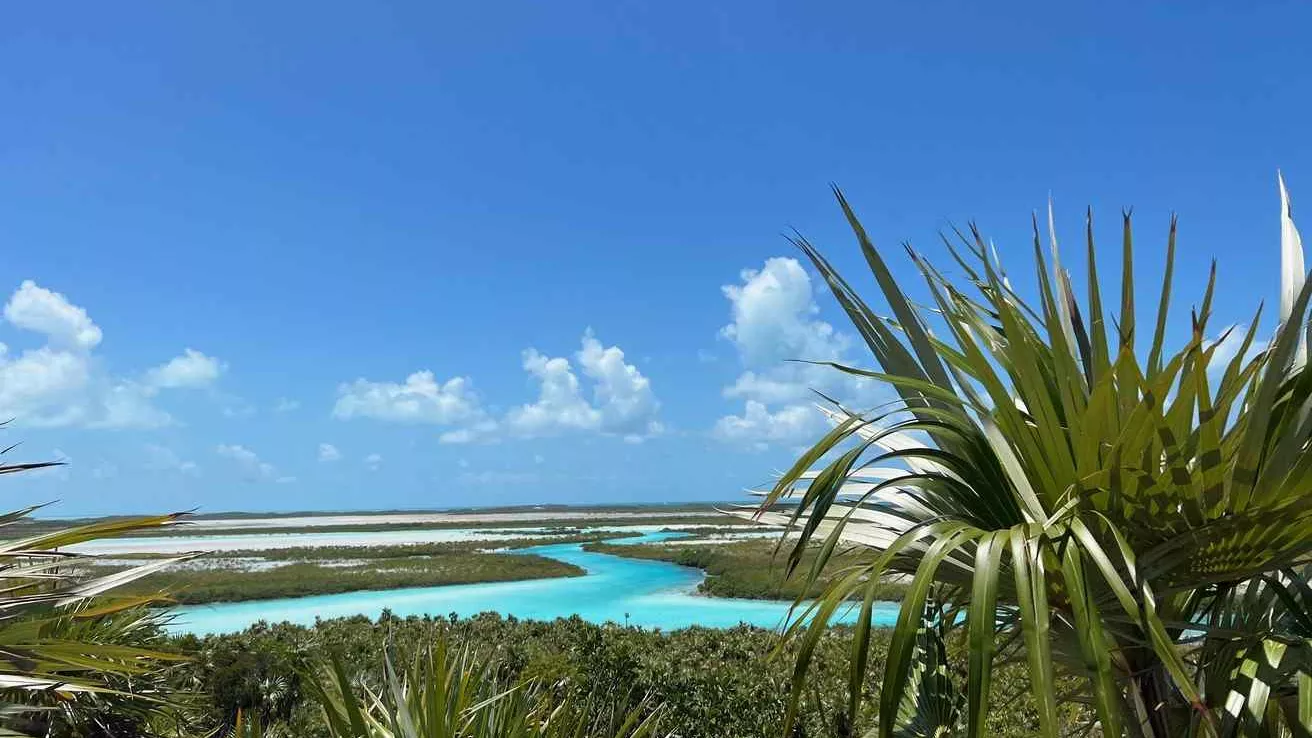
329 255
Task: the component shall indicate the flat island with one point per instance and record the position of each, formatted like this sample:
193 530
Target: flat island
255 557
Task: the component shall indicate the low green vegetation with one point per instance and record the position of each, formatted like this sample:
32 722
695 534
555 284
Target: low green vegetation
748 569
299 572
713 531
742 568
457 691
704 683
300 579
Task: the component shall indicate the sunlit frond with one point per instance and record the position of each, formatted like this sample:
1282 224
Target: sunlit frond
1124 518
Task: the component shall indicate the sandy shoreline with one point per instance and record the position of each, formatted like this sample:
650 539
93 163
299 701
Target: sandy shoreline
471 518
257 541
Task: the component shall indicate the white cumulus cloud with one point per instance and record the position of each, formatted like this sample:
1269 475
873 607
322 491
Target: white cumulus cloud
595 391
192 369
775 317
785 384
45 386
622 394
329 452
419 399
63 383
38 309
560 404
622 402
776 328
759 427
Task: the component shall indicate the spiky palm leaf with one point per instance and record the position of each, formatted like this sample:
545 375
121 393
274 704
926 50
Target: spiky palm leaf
458 694
68 647
931 706
1117 515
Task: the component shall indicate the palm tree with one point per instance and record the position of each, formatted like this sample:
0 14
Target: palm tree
71 652
450 694
1132 527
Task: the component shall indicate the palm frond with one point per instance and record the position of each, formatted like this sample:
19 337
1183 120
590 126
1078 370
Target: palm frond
70 649
1117 516
449 693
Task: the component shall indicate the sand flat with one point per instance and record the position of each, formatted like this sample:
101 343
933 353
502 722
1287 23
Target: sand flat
437 518
256 541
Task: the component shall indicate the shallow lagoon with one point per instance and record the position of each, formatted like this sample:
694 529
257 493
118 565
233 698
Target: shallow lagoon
652 594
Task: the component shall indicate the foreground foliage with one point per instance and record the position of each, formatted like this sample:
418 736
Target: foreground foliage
703 683
445 694
74 658
1138 523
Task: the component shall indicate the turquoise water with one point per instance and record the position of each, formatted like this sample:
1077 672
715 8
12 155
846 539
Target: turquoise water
652 594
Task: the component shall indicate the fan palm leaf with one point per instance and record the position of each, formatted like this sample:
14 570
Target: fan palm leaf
1121 517
448 693
68 645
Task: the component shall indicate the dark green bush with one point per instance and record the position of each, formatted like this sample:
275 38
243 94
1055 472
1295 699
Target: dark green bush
710 683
